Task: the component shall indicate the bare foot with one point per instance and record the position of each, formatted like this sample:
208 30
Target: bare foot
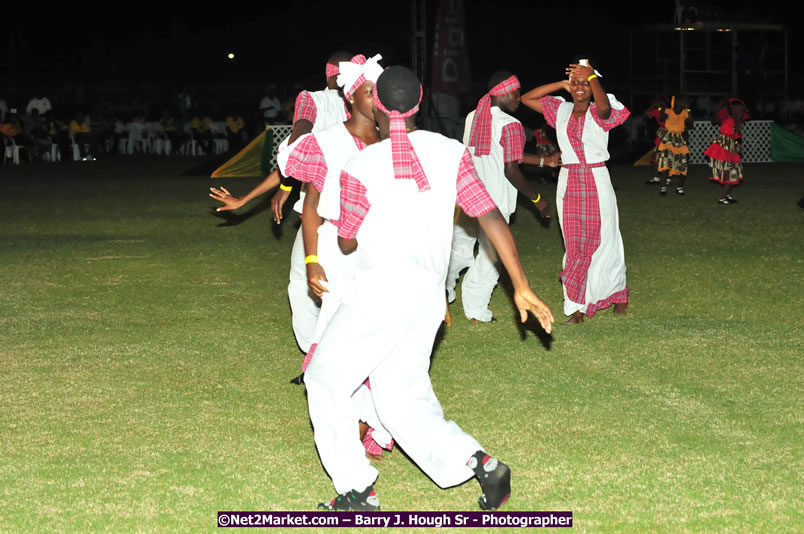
621 308
575 318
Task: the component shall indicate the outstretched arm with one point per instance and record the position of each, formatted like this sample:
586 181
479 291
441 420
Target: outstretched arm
531 98
232 203
525 299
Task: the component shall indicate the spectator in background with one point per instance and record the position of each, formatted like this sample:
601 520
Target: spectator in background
59 132
135 129
235 130
270 106
30 121
118 135
3 109
102 127
201 131
169 128
82 136
41 104
12 127
218 128
37 133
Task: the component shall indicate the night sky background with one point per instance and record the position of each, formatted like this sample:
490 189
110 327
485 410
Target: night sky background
288 42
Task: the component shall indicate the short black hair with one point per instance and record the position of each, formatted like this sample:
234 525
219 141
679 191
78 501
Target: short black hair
499 76
341 55
398 89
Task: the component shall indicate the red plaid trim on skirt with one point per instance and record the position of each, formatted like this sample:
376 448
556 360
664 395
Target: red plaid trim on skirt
581 227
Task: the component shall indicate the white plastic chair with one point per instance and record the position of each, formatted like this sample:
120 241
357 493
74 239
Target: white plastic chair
12 150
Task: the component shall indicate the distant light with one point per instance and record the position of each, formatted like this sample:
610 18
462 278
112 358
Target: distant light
685 29
230 55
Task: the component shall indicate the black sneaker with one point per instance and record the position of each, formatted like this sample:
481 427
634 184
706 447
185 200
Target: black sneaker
663 191
731 199
495 480
679 190
353 501
299 380
654 180
723 201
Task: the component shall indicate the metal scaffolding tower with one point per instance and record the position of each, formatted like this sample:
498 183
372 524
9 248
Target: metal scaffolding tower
710 59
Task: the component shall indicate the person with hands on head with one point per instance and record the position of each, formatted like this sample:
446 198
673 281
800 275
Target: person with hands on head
497 142
398 197
593 275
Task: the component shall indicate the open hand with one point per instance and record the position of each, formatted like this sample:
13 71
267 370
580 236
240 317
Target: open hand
580 72
222 195
527 301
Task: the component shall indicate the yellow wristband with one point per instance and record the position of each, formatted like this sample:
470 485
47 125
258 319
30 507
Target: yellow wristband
589 79
537 199
287 188
312 258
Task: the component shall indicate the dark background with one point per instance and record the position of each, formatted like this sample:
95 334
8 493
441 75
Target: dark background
148 51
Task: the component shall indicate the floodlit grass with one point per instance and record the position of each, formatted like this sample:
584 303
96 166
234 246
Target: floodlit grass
146 352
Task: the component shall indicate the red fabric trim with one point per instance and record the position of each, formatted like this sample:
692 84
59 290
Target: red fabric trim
617 298
512 139
308 357
718 152
718 180
354 206
472 196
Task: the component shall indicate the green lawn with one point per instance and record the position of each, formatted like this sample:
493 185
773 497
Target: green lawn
146 352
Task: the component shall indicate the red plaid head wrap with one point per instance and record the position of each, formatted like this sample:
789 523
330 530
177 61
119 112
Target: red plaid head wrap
355 72
332 70
480 136
406 163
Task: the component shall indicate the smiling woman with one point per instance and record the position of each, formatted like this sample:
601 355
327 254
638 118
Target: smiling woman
593 274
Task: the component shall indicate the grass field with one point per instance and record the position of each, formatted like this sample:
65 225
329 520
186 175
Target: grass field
146 349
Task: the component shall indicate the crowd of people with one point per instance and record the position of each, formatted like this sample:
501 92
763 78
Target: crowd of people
52 136
183 126
392 213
